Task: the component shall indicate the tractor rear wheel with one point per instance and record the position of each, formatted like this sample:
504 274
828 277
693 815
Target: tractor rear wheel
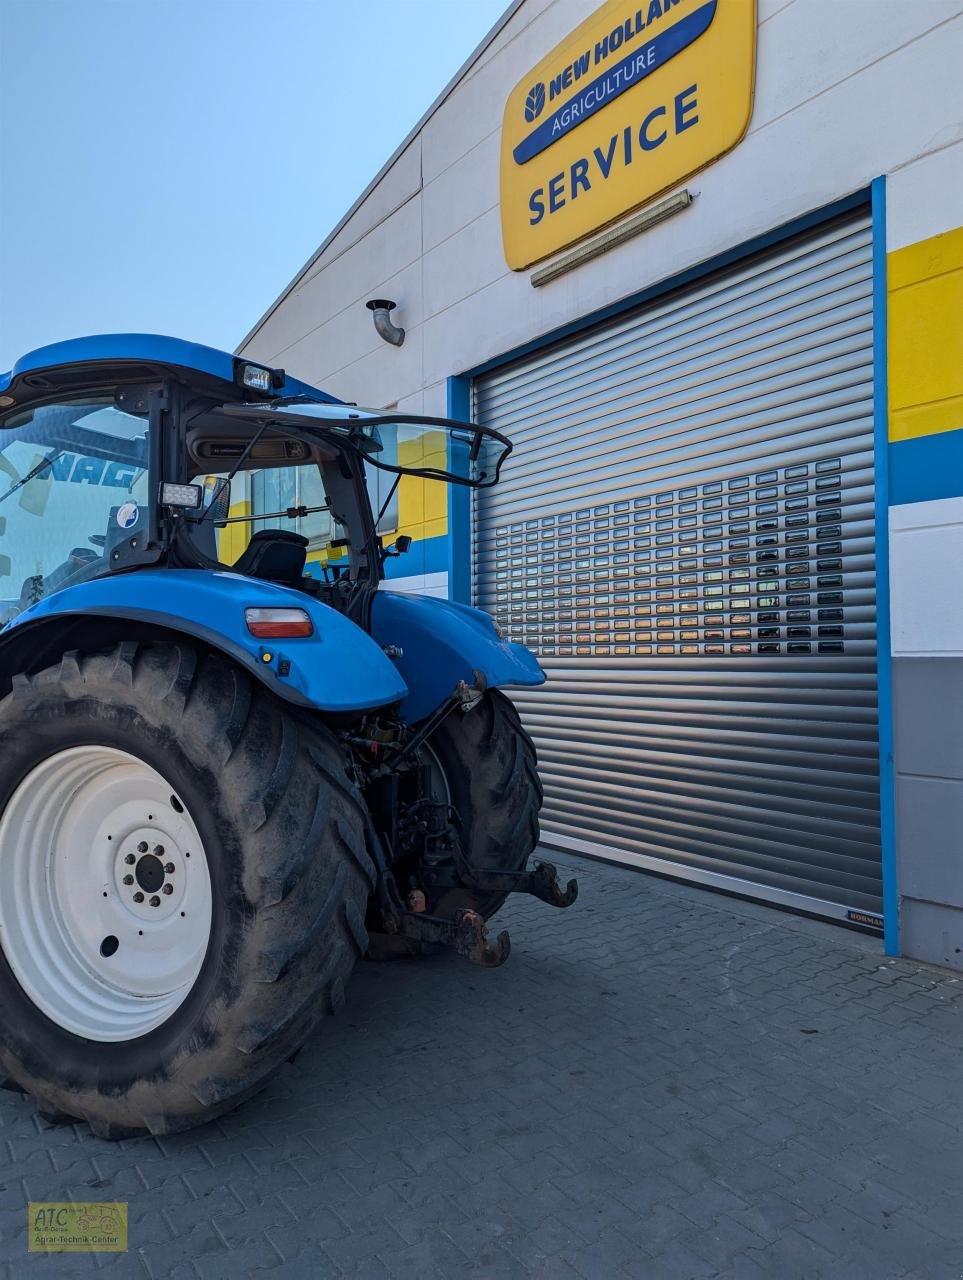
183 881
485 765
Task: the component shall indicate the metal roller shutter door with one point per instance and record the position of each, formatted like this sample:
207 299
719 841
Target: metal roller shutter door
684 536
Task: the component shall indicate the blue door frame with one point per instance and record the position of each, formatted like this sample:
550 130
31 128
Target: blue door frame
884 658
459 499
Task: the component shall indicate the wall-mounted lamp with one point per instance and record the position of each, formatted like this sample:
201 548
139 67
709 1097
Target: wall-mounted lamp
381 309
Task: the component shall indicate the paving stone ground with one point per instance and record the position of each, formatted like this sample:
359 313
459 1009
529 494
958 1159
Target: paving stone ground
661 1082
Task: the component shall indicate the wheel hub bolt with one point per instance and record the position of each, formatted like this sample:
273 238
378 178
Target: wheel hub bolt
158 851
138 897
142 847
128 879
130 859
169 868
155 901
168 889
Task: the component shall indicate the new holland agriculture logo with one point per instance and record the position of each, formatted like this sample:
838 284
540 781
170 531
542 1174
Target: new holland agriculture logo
616 79
535 102
634 100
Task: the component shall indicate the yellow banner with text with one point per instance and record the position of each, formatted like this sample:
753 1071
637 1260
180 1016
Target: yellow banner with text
637 98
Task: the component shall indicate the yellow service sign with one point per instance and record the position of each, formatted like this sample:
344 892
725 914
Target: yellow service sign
636 99
54 1227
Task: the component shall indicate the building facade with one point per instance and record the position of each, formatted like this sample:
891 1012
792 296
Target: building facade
703 263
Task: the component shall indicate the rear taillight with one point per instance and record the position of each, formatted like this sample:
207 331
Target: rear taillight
278 624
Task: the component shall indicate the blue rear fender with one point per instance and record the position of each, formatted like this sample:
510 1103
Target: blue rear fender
441 643
338 669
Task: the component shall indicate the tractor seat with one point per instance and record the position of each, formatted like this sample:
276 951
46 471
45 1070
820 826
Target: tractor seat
276 554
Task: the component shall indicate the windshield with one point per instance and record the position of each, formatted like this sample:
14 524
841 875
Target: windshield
73 484
406 444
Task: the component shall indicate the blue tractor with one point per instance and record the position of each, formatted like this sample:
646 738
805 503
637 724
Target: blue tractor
230 764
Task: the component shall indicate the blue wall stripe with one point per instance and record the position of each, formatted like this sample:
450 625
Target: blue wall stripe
884 661
427 555
926 467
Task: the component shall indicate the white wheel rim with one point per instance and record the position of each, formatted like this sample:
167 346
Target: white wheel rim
80 871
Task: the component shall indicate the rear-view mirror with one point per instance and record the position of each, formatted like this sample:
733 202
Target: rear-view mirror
217 498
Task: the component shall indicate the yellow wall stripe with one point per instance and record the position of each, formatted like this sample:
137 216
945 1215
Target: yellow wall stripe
925 338
232 540
423 504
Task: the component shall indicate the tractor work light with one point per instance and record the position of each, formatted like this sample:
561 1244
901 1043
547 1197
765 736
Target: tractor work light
278 624
258 377
181 495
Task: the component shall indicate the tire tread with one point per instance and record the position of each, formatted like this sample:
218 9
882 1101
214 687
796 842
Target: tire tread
493 763
304 874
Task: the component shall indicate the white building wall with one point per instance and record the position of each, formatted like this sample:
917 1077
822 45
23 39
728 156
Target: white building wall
836 85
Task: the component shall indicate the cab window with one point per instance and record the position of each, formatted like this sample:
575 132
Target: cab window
73 484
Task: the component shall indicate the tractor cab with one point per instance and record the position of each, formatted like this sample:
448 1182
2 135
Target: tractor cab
110 465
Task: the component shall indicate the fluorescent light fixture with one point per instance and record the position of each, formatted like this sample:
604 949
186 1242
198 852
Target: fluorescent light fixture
616 235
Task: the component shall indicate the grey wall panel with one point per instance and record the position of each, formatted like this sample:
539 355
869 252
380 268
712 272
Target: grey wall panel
929 837
933 932
928 715
685 537
928 755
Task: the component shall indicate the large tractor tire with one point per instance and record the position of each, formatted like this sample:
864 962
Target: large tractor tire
486 767
183 882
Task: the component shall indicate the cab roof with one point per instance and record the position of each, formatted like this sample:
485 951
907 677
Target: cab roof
37 371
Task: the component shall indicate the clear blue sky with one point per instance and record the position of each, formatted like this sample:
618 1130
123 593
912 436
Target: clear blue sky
168 165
